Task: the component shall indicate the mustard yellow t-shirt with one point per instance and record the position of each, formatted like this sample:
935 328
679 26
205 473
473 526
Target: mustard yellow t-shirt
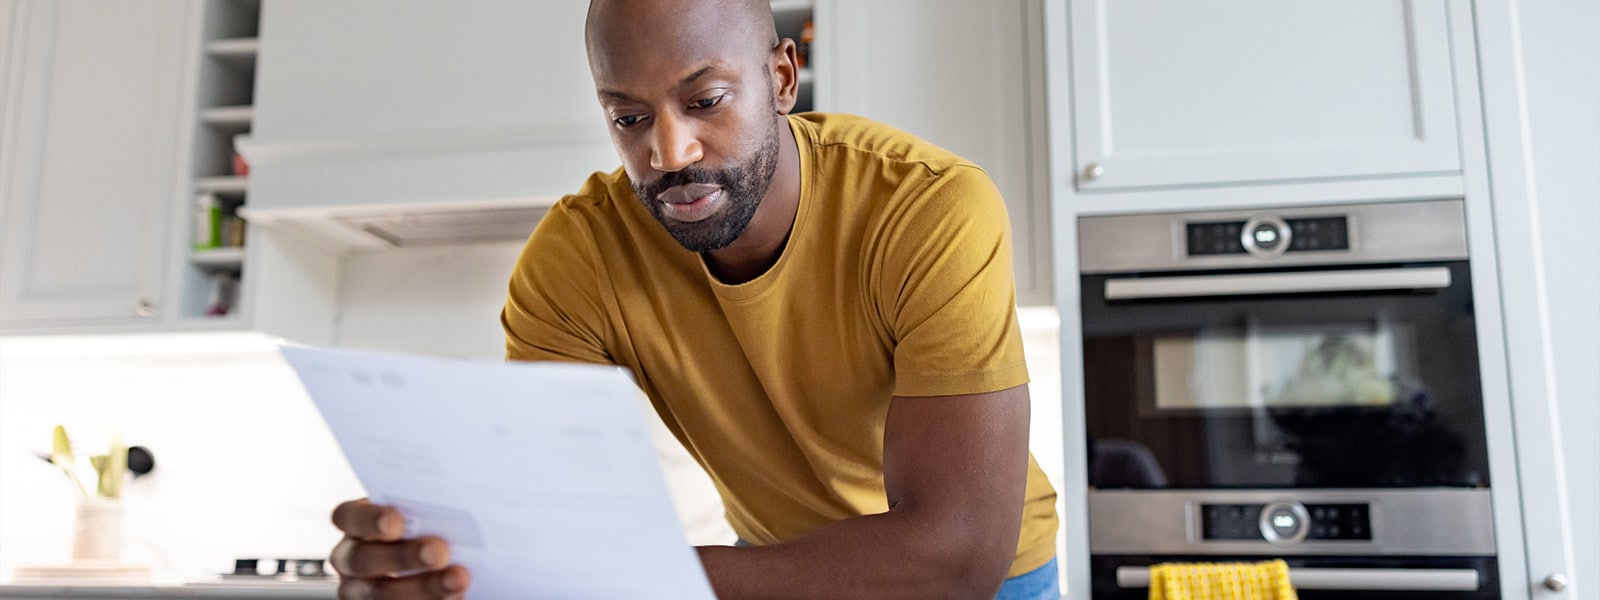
896 280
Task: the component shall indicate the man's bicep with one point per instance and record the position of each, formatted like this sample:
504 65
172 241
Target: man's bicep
960 461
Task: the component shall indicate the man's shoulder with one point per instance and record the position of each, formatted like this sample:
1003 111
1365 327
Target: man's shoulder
594 204
600 189
577 219
839 136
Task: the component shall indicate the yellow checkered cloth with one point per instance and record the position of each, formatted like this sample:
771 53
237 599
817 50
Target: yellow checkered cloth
1267 580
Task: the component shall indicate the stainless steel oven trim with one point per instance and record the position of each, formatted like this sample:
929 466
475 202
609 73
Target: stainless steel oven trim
1398 580
1379 233
1252 284
1415 522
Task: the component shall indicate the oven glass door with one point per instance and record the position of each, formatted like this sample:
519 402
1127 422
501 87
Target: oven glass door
1284 388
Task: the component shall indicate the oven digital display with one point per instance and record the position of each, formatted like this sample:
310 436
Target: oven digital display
1333 365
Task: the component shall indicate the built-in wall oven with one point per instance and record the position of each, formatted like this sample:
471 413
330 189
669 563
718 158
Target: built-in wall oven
1299 384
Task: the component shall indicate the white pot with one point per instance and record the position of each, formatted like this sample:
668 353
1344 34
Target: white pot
98 534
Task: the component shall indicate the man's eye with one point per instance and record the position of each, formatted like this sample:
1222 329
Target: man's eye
709 102
627 121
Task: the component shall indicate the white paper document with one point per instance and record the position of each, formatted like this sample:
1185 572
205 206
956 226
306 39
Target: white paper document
541 476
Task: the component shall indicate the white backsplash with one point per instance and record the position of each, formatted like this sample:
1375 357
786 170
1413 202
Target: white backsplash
244 465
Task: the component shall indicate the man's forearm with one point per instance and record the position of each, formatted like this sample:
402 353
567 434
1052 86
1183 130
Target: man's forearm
898 554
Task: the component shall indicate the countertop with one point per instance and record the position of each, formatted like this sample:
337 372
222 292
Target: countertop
232 590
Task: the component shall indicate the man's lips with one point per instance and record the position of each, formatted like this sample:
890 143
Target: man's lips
691 202
686 193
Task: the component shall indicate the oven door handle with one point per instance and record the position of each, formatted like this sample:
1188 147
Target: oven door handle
1309 578
1251 284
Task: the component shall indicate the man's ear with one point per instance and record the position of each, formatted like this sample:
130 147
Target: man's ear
785 69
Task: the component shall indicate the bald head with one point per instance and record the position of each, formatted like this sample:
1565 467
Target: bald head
620 33
695 93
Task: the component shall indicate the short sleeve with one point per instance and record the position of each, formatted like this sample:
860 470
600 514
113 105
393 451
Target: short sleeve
555 307
947 292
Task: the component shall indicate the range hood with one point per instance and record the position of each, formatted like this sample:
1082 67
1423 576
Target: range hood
399 227
442 228
392 193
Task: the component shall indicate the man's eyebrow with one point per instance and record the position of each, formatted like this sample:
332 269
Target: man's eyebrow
616 95
696 75
624 97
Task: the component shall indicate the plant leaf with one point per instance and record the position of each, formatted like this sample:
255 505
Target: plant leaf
61 451
61 456
113 470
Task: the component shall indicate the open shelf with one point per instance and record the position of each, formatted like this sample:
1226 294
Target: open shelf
791 17
231 118
242 49
789 6
213 253
218 258
232 185
238 54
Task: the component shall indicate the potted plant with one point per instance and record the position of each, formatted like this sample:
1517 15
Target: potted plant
98 534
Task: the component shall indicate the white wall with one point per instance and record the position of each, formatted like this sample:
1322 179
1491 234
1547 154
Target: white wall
1561 55
438 302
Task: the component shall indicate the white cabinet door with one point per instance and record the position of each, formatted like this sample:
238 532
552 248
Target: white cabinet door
89 174
966 75
1232 91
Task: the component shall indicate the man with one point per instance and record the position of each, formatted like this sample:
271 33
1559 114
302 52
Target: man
819 307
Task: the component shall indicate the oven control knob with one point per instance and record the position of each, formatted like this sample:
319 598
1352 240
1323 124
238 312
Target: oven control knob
1265 236
1285 522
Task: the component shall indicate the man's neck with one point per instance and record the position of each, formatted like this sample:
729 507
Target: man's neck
762 242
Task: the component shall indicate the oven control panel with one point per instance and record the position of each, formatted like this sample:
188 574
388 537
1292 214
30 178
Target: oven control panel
1285 522
1266 236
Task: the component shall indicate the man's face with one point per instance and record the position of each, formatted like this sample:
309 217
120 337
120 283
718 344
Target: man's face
691 111
706 208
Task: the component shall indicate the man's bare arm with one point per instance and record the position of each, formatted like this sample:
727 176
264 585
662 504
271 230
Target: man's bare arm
955 470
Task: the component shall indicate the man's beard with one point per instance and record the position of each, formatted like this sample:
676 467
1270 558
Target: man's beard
745 185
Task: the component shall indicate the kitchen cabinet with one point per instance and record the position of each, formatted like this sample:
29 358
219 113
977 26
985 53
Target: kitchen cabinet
1243 92
89 159
118 120
966 75
1249 105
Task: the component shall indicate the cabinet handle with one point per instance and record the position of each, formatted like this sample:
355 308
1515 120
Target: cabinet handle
1555 582
145 307
1093 171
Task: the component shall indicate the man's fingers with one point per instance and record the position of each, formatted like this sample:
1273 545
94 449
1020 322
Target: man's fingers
356 558
361 519
447 583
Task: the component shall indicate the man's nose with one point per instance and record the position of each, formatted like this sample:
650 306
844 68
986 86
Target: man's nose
675 145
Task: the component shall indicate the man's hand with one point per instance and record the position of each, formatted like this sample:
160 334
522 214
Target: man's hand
376 560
